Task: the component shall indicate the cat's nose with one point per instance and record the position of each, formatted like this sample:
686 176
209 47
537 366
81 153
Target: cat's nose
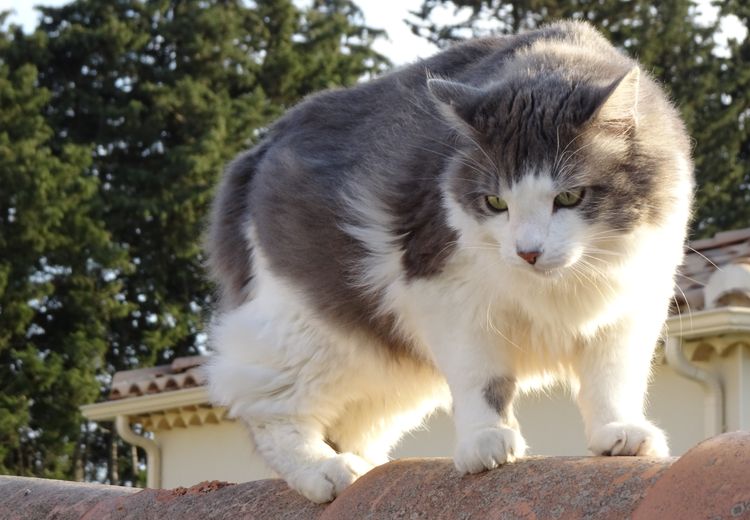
529 256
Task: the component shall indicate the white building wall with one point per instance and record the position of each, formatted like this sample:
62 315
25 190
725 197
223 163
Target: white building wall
735 370
676 404
208 452
551 424
743 389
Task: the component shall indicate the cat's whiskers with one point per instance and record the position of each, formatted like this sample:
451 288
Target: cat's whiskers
461 157
687 303
598 269
602 282
557 147
595 285
468 157
577 270
565 164
609 232
600 251
604 239
704 257
679 318
480 248
458 149
574 270
601 277
494 328
482 186
559 156
422 108
478 147
691 279
451 146
587 279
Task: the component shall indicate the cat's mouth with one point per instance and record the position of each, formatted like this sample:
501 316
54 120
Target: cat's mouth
552 266
546 271
550 273
543 271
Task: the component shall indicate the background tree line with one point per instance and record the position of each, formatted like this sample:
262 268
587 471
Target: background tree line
116 118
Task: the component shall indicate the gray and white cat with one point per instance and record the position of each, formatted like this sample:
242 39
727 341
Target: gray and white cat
506 214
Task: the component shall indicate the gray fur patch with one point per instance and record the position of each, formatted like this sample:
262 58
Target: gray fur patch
499 394
229 251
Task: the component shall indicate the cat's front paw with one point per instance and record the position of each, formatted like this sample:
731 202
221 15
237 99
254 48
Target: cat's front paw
324 480
642 439
488 448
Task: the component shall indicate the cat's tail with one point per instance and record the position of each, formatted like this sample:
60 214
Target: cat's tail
226 242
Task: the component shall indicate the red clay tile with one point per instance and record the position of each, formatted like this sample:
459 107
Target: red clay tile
263 499
711 481
30 498
554 487
40 499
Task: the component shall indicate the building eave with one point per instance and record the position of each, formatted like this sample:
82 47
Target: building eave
712 322
145 404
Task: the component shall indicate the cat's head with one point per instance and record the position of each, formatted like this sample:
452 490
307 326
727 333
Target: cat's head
550 170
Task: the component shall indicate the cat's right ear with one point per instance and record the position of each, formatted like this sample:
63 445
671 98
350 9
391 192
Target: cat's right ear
457 102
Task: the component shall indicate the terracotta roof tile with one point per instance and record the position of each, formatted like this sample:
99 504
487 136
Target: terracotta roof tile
183 373
712 480
702 259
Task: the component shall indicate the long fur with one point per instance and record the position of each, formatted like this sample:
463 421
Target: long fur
366 282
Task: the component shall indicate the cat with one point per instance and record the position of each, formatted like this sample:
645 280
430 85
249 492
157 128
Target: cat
504 215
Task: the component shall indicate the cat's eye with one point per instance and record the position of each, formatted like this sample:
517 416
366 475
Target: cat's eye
496 204
569 199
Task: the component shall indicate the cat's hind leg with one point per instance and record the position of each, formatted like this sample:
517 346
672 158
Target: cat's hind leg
278 371
295 447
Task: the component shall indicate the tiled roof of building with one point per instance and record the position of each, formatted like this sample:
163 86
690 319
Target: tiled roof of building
184 372
702 259
709 481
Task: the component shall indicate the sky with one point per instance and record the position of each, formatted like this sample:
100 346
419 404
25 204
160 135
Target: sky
401 47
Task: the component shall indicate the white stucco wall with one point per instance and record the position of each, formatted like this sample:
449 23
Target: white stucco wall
209 452
735 367
550 423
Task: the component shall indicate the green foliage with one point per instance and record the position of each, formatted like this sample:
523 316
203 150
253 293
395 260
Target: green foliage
725 139
710 89
55 299
121 115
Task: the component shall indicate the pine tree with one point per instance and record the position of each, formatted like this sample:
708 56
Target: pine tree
163 93
672 44
55 293
724 143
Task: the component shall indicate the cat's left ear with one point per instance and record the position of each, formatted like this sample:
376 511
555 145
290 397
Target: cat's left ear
616 105
457 102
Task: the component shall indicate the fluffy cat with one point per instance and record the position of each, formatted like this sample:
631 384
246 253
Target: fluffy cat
506 214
